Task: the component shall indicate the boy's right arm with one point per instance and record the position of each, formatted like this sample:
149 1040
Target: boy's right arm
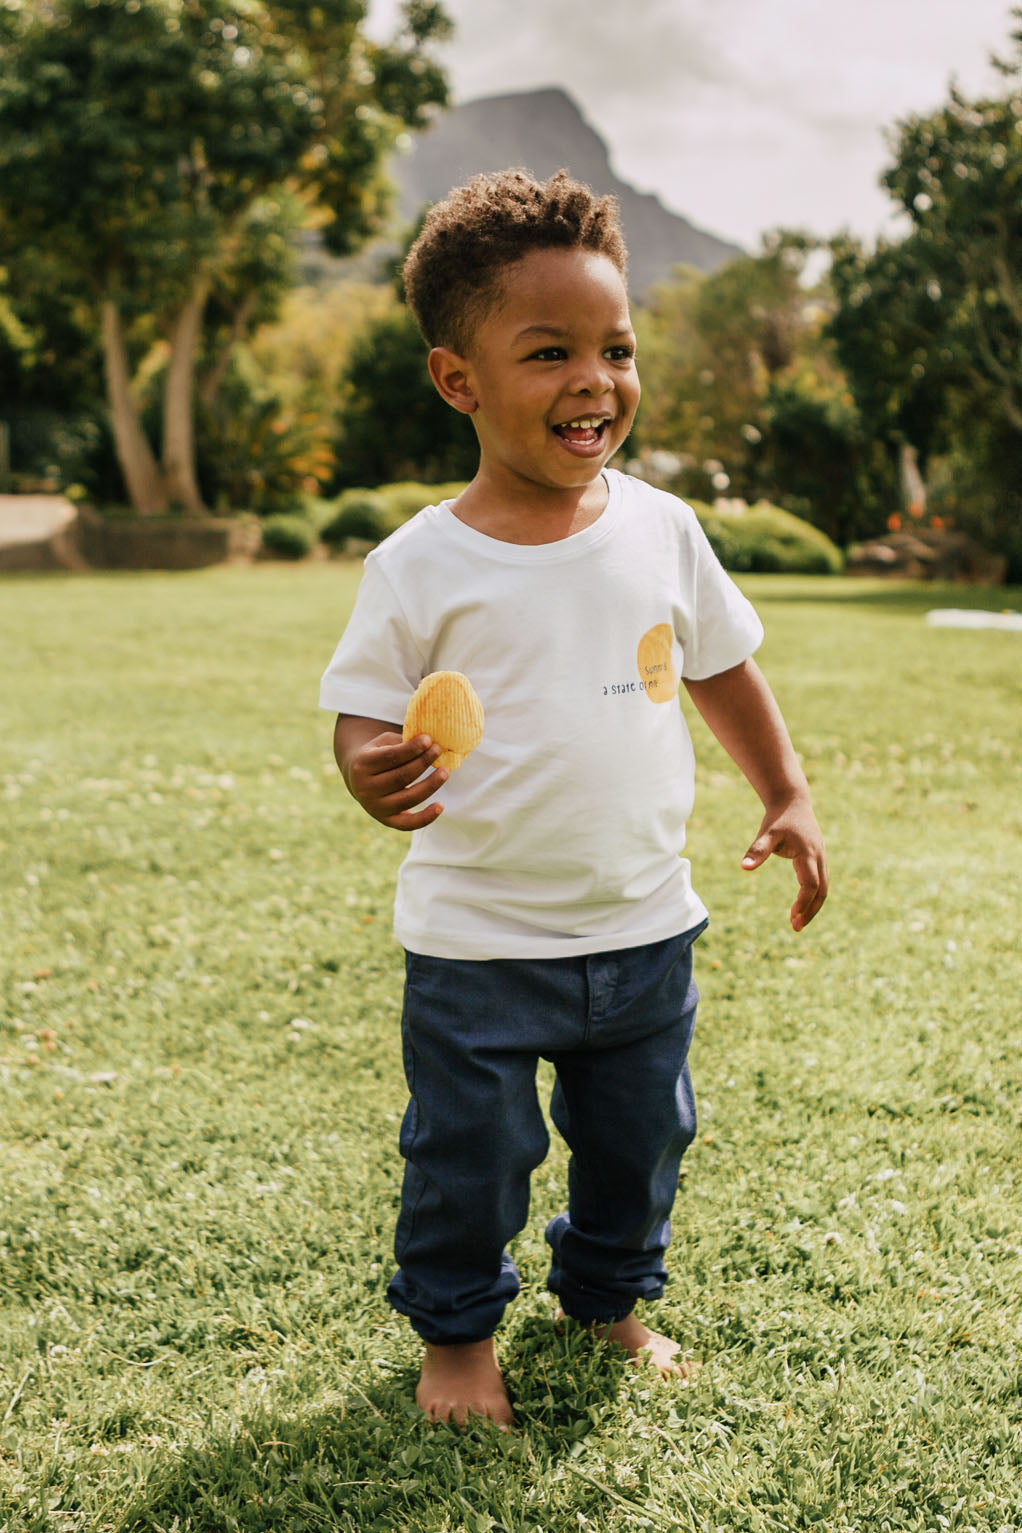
381 771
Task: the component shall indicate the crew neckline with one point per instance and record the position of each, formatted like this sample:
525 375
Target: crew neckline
538 553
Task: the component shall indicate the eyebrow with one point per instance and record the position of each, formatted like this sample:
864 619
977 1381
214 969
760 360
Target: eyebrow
558 330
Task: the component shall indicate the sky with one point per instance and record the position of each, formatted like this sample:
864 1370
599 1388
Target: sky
742 115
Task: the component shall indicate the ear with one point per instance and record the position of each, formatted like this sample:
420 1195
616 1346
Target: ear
452 379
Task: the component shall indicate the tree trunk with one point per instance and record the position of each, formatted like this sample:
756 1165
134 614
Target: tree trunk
178 400
141 471
913 486
210 385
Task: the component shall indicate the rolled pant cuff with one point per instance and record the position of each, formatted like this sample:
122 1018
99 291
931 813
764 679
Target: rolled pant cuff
450 1327
601 1317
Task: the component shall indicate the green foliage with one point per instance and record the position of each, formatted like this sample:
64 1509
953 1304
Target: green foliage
302 352
201 1090
59 449
977 488
16 340
288 536
49 351
394 425
929 329
372 515
742 385
405 498
764 539
709 347
145 149
256 452
359 514
132 129
819 460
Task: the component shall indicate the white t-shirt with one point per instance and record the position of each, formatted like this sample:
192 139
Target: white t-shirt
562 830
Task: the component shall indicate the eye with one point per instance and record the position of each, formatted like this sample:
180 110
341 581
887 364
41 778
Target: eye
548 354
623 353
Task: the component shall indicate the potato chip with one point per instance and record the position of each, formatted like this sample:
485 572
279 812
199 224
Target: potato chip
445 707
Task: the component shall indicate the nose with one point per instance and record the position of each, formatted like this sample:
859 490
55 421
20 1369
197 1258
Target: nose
592 378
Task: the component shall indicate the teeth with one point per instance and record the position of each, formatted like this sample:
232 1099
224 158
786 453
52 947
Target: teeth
589 422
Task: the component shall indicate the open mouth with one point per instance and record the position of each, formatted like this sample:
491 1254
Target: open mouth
586 431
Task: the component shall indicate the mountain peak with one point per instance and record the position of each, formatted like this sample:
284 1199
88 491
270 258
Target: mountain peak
544 131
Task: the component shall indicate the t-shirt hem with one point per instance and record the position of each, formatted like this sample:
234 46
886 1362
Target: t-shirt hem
554 945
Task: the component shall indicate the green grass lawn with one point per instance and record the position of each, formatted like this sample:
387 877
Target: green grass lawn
200 1091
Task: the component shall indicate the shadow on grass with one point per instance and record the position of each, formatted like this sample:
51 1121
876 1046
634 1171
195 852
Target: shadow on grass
368 1459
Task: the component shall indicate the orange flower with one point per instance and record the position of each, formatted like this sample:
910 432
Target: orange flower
894 521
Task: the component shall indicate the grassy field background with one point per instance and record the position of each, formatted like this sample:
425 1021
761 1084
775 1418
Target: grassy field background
200 1092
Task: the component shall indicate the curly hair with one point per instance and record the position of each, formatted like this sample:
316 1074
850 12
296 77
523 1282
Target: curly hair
452 272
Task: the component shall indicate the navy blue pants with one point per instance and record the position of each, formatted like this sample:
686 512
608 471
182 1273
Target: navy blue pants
617 1028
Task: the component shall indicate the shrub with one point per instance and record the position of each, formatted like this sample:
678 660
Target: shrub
405 497
358 514
763 539
254 452
392 420
315 510
372 515
288 536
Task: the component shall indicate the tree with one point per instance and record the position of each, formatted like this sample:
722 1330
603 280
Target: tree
394 425
817 459
142 142
709 348
740 380
929 328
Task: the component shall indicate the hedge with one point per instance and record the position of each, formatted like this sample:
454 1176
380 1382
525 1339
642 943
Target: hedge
763 539
758 539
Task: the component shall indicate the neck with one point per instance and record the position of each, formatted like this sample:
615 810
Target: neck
529 513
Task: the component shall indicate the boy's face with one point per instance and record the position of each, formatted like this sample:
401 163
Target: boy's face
549 375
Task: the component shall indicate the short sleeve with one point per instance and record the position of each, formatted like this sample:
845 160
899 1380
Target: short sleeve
724 628
377 665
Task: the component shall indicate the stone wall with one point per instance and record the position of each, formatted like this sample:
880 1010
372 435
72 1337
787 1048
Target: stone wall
48 533
164 542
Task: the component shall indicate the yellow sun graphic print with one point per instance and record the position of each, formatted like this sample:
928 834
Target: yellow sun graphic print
656 671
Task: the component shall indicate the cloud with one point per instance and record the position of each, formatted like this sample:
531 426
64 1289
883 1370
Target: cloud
604 48
741 114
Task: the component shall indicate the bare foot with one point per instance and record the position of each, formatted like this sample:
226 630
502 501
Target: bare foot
461 1381
646 1346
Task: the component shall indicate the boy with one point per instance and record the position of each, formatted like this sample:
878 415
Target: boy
543 906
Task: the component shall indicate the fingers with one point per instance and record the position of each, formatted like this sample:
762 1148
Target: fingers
812 890
396 809
809 864
759 851
387 779
396 763
407 821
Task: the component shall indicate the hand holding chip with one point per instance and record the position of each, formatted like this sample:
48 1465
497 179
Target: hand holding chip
389 774
385 775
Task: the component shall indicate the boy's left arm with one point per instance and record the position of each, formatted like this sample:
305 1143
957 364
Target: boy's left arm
742 712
